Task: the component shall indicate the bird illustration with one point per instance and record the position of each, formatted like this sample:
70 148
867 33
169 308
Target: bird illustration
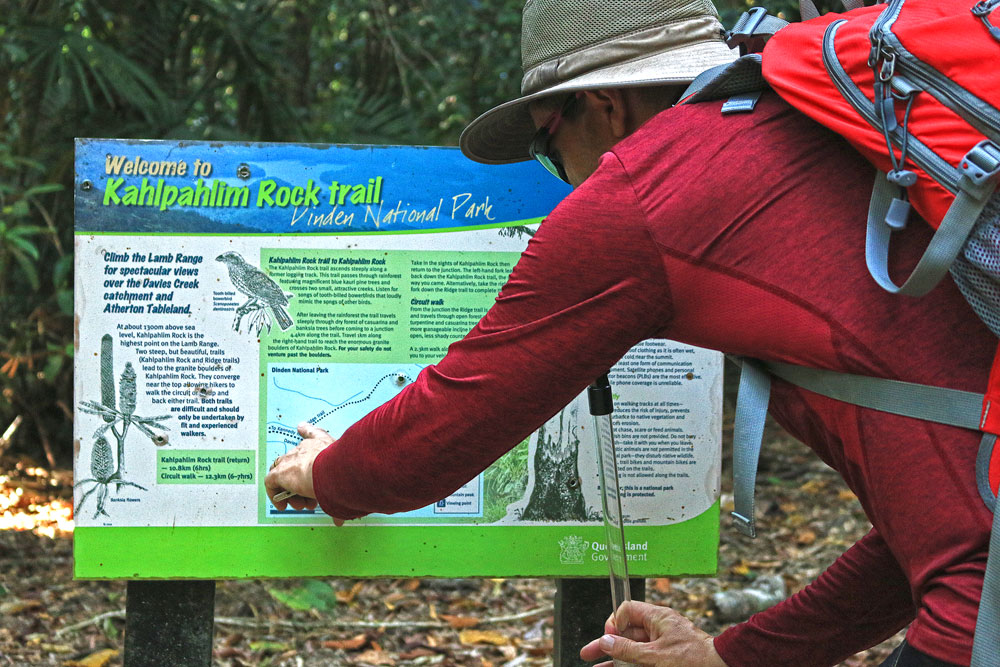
263 292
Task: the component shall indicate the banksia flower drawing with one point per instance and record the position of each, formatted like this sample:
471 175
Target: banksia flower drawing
264 294
103 464
128 390
107 377
102 468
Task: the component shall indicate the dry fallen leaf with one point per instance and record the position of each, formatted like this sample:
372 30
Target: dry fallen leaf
541 650
740 569
98 659
846 495
229 652
419 652
661 585
56 648
412 585
393 599
353 644
460 622
348 596
374 657
17 606
813 486
805 537
471 637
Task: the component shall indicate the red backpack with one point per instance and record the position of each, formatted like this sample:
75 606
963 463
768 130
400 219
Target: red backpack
914 85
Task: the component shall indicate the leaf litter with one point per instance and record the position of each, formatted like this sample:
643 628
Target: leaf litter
806 518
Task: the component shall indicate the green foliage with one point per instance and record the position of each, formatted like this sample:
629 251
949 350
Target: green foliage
311 594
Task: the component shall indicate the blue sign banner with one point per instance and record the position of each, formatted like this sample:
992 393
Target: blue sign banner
139 186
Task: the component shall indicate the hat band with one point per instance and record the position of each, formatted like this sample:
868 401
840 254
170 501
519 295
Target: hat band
628 47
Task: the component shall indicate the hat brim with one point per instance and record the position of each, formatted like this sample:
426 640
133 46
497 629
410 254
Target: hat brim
502 134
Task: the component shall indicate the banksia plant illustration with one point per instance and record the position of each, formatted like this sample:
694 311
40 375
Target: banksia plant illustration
102 467
107 467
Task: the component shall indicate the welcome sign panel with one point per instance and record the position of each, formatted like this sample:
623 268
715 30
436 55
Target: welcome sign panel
227 292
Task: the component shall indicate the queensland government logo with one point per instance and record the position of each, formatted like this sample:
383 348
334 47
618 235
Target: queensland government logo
572 549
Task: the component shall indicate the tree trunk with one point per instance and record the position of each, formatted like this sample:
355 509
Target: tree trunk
557 495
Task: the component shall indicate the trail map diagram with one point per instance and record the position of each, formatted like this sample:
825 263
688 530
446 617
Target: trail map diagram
333 397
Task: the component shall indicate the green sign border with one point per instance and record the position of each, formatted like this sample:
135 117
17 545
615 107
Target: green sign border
687 548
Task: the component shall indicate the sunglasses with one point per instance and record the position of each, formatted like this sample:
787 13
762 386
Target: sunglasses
541 143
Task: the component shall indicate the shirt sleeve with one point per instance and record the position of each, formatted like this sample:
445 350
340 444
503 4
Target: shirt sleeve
862 599
589 286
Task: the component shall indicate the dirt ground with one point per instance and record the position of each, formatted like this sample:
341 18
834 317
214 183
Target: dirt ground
807 518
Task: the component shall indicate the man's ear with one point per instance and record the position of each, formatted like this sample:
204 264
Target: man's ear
613 112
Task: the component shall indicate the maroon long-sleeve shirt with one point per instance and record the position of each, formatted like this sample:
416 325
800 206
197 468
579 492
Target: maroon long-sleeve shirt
743 233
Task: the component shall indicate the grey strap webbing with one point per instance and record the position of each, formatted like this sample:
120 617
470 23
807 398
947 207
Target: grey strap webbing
978 173
947 242
748 433
742 75
938 404
986 642
753 29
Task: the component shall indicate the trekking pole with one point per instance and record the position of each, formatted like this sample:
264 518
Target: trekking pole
601 407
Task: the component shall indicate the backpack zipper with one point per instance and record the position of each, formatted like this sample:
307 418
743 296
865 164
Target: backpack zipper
982 10
929 161
978 113
882 24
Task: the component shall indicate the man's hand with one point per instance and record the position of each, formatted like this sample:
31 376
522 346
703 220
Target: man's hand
293 471
660 638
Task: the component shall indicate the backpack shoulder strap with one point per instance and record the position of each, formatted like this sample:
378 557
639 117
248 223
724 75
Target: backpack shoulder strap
741 80
938 404
741 76
947 406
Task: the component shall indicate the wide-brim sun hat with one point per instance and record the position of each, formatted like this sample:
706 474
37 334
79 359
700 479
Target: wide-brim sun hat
572 45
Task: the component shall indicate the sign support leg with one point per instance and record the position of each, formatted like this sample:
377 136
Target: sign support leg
582 606
169 623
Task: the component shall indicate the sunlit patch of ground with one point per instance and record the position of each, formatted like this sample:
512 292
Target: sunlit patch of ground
27 502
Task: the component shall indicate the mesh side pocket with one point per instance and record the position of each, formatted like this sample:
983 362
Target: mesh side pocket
977 270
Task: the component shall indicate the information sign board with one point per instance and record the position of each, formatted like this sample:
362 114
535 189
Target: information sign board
227 292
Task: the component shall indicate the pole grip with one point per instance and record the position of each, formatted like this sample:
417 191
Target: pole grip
599 395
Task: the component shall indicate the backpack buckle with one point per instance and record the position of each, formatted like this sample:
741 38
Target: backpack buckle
744 32
981 165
